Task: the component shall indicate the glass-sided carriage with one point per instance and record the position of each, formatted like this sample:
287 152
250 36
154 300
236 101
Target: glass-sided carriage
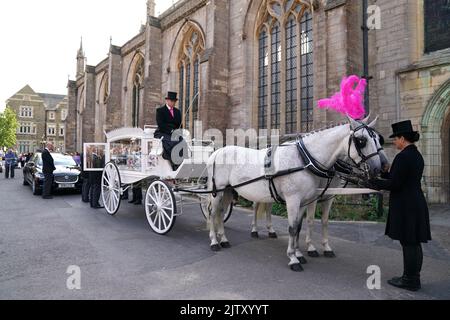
134 157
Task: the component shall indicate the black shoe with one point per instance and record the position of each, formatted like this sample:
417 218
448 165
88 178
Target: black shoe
138 203
408 283
98 207
132 201
47 197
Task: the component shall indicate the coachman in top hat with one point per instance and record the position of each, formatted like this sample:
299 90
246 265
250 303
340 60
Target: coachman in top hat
408 219
169 120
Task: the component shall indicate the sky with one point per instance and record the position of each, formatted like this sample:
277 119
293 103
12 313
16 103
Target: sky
39 39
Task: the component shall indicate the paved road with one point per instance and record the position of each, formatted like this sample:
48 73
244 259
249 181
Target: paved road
120 258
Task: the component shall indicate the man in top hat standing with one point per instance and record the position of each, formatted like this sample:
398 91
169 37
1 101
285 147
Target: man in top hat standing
408 219
48 166
169 119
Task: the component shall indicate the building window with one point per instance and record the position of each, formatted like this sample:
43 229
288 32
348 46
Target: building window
189 82
437 25
276 77
285 42
196 88
307 73
51 115
25 146
26 128
181 90
51 131
291 76
138 87
61 131
26 112
263 84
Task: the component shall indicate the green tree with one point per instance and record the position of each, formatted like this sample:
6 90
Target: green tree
8 128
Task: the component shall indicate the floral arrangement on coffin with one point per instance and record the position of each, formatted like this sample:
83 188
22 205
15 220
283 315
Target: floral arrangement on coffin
349 101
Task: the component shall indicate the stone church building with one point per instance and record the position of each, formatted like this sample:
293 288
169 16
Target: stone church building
263 64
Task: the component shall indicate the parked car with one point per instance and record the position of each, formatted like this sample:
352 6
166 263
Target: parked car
67 175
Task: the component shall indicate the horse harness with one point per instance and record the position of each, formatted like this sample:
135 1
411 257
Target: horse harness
311 164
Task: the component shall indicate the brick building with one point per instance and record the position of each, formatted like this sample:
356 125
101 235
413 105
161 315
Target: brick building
264 64
41 118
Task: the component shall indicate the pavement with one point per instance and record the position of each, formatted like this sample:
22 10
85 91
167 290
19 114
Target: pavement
121 258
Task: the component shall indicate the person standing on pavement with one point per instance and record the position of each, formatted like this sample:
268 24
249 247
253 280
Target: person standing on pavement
10 163
77 158
408 219
98 161
23 159
86 187
48 167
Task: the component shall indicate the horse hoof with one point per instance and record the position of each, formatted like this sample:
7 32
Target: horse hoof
329 254
297 267
225 245
273 235
302 260
255 235
313 254
215 248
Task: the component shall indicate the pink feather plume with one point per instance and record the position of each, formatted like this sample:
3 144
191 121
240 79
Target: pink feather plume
349 101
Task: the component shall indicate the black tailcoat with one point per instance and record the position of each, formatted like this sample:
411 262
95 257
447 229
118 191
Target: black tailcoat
48 164
166 126
408 219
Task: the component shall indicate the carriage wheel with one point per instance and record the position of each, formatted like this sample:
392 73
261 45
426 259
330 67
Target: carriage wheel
204 205
111 188
160 207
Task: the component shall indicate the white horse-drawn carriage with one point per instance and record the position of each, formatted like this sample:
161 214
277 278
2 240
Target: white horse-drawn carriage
135 158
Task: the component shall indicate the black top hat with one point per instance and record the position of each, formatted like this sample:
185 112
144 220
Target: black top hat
172 96
401 128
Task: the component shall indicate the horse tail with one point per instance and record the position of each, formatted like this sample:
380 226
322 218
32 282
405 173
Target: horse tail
211 173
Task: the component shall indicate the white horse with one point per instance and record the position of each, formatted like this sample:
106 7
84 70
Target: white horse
233 167
325 204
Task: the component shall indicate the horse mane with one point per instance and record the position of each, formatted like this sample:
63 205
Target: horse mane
293 137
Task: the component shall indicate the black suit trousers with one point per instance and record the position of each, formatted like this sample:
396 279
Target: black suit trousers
85 191
48 181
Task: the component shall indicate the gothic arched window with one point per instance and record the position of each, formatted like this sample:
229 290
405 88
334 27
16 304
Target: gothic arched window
285 43
189 82
138 81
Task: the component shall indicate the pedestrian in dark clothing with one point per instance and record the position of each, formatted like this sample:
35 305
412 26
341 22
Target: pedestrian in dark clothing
23 160
96 181
48 167
408 219
10 163
86 187
137 196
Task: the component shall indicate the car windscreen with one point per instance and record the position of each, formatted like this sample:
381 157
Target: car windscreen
60 160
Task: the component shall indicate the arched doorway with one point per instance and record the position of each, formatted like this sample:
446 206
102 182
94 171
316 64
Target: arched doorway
435 146
446 153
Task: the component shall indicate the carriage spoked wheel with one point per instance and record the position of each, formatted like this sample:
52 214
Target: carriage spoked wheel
111 188
206 210
160 207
